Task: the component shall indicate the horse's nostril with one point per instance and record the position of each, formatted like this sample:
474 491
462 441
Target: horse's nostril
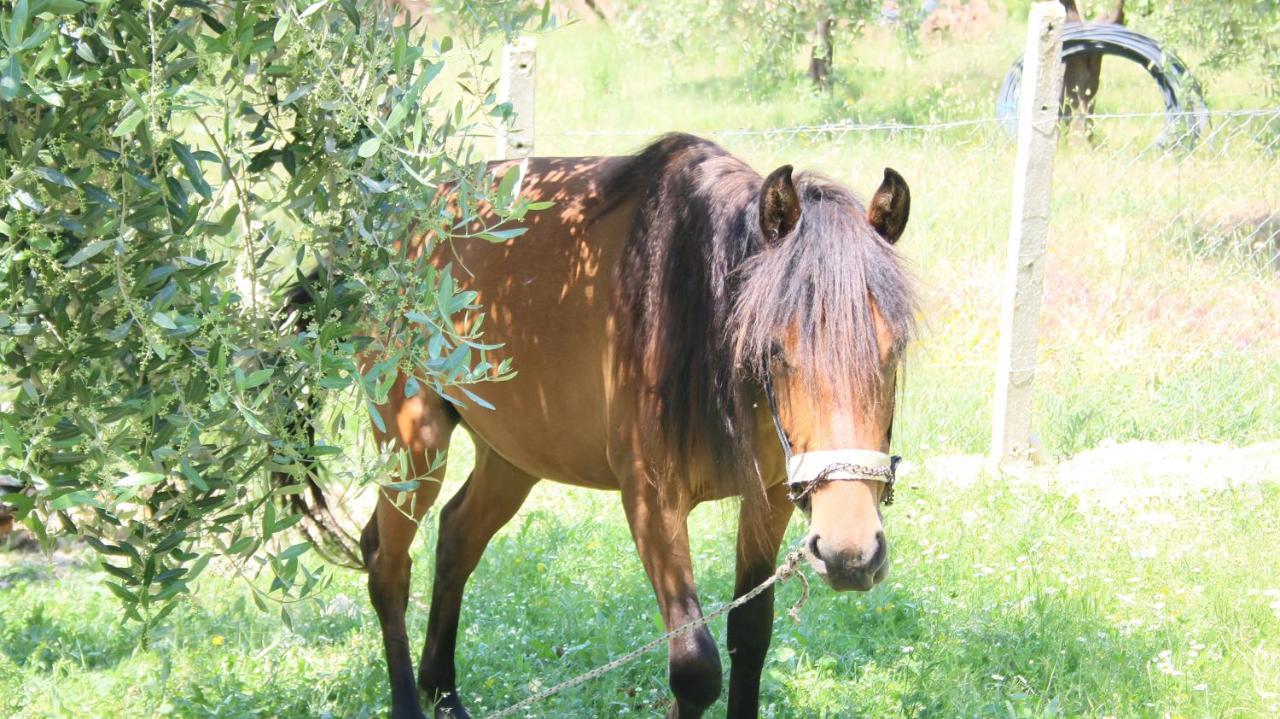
882 549
813 547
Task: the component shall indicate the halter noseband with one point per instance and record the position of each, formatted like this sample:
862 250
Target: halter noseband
809 470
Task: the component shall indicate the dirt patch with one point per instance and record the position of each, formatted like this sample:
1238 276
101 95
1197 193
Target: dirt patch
961 19
1130 475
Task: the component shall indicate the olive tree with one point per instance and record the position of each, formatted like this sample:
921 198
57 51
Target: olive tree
766 36
1223 33
168 169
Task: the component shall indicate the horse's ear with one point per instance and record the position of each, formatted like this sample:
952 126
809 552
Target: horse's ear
779 205
890 206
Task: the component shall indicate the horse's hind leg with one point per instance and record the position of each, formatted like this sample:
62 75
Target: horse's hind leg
488 500
421 425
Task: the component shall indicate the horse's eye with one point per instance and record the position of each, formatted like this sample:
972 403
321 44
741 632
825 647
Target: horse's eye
778 358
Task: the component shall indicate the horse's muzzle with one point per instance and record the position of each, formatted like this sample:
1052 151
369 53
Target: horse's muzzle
849 566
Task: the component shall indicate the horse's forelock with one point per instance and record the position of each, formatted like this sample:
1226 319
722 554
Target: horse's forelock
820 287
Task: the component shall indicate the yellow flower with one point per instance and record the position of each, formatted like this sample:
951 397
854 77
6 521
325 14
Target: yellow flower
218 640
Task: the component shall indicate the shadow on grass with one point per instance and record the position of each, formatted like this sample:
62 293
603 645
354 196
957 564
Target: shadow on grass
558 596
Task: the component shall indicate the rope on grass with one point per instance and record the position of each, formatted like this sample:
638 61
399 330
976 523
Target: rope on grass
789 568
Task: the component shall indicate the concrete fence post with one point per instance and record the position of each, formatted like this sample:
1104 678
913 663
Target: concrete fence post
516 86
1038 105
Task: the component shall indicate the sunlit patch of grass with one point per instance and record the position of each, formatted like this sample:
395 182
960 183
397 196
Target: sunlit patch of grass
1004 600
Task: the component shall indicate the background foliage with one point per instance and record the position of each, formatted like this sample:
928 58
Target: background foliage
763 36
770 40
167 168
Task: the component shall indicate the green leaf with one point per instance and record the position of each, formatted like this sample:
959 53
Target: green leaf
254 423
198 567
164 320
335 382
397 116
18 23
53 176
375 416
313 7
507 186
503 235
87 252
475 398
122 593
12 437
170 542
268 520
41 34
192 168
407 485
369 147
128 124
140 479
297 94
282 27
74 499
294 552
257 378
64 7
11 79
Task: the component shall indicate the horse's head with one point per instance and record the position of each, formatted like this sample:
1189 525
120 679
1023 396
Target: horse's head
829 297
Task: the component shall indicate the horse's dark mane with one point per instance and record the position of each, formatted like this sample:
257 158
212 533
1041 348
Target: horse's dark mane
702 302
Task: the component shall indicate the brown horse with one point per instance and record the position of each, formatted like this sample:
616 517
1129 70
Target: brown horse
657 312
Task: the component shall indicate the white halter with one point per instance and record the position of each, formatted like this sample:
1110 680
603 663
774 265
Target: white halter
807 470
843 463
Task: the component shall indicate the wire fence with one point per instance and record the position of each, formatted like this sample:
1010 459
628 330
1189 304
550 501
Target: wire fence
1161 309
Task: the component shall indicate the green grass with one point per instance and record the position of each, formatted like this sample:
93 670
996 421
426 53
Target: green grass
1006 599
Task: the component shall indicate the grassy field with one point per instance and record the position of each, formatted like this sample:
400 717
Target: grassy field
1008 598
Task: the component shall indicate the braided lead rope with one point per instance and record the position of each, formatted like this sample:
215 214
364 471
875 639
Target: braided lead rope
785 571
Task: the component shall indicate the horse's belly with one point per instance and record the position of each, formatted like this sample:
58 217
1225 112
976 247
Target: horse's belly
547 297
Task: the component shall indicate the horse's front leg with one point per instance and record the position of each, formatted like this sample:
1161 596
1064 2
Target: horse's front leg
662 539
751 625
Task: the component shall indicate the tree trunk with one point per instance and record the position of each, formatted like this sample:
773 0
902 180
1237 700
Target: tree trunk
821 58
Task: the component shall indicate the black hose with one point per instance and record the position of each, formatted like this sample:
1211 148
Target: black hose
1186 113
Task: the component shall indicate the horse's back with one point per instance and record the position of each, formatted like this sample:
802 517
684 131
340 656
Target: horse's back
548 297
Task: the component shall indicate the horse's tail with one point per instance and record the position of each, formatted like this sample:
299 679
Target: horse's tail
319 525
